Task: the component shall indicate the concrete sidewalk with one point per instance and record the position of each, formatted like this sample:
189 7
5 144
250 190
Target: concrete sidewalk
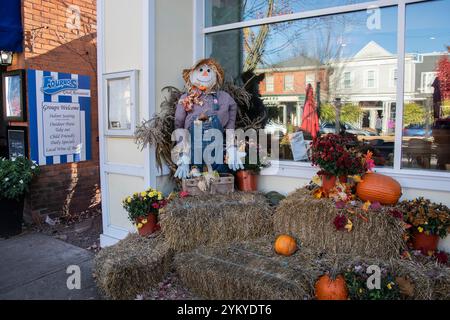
33 266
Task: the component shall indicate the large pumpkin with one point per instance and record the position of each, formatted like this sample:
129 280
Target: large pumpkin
285 245
378 187
329 289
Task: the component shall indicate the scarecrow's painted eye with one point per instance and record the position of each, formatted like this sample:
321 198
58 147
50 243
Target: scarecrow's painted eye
201 69
209 70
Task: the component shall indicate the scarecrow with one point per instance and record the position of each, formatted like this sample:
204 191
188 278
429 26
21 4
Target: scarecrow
202 108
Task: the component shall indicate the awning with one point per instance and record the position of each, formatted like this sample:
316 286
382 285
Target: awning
11 31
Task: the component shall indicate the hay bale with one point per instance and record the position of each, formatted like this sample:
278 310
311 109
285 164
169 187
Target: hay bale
252 270
248 271
311 221
132 266
190 222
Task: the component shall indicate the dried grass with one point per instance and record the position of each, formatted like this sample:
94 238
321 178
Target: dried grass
311 221
207 219
132 266
251 270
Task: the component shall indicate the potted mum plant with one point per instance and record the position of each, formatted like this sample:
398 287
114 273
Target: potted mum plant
143 208
15 179
247 179
429 221
337 159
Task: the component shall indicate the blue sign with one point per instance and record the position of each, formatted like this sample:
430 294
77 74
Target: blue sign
54 86
59 105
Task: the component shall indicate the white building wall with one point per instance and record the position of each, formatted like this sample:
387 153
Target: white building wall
122 49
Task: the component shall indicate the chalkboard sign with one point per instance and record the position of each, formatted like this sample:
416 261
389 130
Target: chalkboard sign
17 143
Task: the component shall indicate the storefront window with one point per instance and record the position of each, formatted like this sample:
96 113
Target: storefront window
346 58
426 113
219 12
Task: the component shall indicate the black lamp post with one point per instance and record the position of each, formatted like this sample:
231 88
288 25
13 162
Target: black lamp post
6 58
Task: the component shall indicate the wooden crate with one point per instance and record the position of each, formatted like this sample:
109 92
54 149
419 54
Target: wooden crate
224 185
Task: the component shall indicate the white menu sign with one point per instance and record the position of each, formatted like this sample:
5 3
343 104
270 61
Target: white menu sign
62 128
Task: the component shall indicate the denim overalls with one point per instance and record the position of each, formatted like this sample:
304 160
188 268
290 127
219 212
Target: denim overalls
212 123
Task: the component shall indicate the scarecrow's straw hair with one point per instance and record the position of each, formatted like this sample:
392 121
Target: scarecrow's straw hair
132 266
207 219
311 221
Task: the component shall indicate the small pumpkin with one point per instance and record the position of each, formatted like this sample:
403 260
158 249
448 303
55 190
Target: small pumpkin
285 245
376 187
329 289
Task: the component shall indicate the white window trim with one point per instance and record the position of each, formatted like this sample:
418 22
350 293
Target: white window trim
423 76
351 80
415 179
392 81
366 79
133 75
285 89
272 86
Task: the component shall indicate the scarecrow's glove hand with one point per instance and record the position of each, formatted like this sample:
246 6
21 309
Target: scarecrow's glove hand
183 167
235 158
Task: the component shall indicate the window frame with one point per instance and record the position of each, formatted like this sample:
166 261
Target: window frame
272 83
409 178
291 76
366 79
134 96
350 79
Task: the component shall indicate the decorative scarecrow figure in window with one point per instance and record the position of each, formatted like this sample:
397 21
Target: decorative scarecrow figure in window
202 108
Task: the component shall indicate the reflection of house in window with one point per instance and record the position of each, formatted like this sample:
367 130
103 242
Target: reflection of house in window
426 81
289 82
269 84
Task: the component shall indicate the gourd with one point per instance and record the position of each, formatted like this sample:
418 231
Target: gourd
377 187
329 289
285 245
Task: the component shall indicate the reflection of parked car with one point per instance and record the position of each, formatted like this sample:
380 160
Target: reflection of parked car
415 130
329 127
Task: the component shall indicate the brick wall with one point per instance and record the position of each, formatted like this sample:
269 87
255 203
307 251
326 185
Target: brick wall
58 39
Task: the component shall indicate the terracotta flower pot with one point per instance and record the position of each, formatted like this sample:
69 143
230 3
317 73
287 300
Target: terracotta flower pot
149 227
425 242
328 183
246 180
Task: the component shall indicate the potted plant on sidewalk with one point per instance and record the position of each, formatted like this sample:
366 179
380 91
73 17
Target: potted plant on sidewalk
429 221
255 160
15 179
143 208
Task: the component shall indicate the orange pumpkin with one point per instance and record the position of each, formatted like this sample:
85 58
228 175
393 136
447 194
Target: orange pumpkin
285 245
377 187
329 289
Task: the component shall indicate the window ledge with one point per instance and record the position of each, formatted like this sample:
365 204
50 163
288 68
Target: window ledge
413 179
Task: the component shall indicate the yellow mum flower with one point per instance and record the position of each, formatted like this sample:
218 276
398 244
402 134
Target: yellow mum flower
143 194
160 197
420 229
389 285
152 194
139 225
361 290
135 194
129 200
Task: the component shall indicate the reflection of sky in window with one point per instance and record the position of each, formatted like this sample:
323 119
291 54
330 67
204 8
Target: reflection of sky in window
427 30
